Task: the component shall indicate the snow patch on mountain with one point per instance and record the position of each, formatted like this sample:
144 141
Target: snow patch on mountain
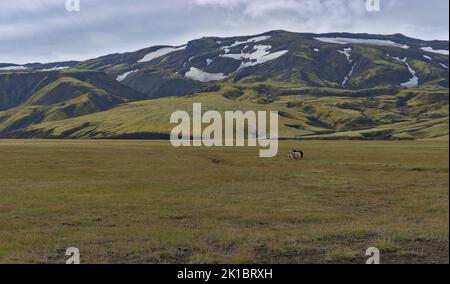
56 68
202 76
443 65
436 51
427 57
122 77
344 40
414 81
14 68
164 59
208 61
348 53
350 74
260 55
251 40
160 52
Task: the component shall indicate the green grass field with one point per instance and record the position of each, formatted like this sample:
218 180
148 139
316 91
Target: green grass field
145 201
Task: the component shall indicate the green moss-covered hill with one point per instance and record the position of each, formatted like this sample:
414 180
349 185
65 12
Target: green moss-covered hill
330 86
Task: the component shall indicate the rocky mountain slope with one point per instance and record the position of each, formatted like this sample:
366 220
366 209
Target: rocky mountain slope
330 86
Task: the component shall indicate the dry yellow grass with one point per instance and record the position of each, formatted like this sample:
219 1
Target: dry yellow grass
145 201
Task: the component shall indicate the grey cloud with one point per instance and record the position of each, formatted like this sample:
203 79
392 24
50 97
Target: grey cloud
42 30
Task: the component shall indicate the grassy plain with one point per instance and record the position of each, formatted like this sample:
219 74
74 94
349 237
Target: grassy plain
145 201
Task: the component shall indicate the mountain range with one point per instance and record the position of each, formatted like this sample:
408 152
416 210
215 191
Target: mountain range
325 86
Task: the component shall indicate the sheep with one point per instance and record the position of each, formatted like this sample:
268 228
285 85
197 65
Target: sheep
295 155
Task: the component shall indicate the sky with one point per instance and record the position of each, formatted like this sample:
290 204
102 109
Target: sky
45 31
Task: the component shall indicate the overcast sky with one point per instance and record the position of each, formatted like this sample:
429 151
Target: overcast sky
44 31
